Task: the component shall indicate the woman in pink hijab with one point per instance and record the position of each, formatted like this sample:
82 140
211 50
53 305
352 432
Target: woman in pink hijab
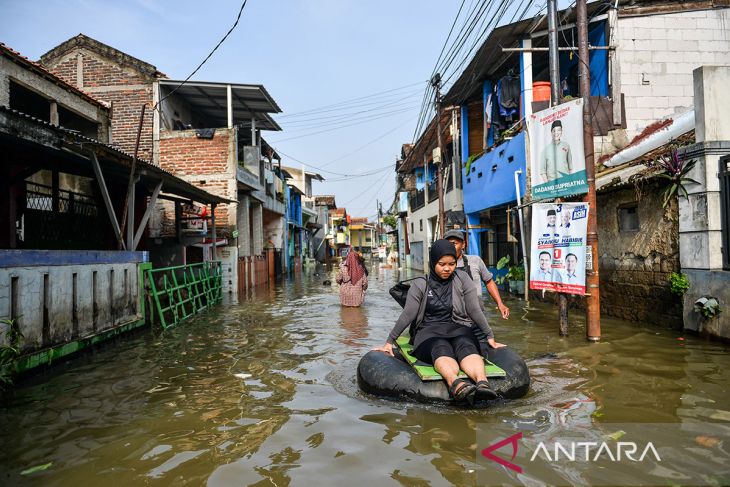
353 280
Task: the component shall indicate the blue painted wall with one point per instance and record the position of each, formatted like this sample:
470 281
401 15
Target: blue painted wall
496 184
598 61
464 132
294 206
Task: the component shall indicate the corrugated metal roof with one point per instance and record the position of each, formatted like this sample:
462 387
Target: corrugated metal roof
146 170
640 168
211 100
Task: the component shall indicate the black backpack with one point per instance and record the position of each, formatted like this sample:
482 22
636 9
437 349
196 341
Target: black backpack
399 292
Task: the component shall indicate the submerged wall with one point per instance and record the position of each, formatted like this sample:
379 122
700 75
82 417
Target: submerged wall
63 296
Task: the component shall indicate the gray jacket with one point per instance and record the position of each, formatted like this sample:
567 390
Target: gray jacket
464 300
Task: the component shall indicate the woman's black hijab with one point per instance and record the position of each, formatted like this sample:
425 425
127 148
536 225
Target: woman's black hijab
438 249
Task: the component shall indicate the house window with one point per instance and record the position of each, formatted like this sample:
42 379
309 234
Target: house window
628 218
420 224
412 227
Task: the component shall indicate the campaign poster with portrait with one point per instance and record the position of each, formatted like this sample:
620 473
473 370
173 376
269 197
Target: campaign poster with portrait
557 159
558 252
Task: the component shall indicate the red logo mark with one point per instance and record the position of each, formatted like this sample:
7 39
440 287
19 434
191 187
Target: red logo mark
487 452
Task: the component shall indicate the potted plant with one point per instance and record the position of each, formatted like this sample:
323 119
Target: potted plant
516 277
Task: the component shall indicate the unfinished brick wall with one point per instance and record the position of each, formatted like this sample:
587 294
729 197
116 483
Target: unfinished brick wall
124 87
204 163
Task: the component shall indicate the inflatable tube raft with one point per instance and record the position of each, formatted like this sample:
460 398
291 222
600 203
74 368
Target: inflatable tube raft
380 374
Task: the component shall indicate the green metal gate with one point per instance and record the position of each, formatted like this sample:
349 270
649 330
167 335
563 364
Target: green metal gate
182 291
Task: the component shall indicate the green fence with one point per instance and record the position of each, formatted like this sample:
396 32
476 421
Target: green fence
182 291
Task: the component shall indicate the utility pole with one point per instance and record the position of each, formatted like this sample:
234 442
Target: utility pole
555 90
436 83
553 48
593 300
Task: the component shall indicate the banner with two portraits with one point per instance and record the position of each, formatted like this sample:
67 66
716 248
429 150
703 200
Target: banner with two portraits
558 254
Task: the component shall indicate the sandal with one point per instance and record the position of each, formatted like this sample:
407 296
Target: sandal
483 392
463 393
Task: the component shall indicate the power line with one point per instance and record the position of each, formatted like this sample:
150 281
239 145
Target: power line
384 176
366 145
349 101
207 57
311 165
359 122
344 117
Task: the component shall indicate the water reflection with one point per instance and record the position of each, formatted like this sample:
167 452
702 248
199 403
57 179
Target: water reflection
167 407
354 324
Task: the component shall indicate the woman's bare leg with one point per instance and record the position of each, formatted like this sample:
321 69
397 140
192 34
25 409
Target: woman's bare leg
473 365
448 368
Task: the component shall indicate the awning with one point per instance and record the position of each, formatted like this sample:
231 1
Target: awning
36 143
211 100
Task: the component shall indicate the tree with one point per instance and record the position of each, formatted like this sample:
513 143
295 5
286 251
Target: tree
390 220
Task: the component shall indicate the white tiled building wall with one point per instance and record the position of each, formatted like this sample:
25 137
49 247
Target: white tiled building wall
657 54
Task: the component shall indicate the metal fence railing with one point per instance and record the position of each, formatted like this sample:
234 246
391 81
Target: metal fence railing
417 200
182 291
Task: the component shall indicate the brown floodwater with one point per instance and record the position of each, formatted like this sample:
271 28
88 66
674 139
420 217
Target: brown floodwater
167 408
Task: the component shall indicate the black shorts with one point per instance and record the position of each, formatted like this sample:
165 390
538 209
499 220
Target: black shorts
457 348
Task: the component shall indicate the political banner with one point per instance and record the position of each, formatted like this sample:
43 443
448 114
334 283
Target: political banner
558 252
557 158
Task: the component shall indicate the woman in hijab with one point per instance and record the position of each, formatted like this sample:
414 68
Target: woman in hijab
445 306
353 280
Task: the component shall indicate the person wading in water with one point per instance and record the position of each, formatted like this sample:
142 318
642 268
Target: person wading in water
353 280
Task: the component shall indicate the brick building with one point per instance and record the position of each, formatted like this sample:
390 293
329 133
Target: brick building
208 134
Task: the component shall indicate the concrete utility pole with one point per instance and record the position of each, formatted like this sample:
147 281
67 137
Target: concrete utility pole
553 49
436 83
593 300
555 90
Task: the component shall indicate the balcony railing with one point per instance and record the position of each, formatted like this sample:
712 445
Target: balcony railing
433 191
417 200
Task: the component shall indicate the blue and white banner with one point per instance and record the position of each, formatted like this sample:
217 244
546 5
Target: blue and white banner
558 253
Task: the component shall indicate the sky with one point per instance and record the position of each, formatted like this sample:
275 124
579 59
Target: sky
349 75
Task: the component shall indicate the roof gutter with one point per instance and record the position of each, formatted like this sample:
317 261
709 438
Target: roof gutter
680 125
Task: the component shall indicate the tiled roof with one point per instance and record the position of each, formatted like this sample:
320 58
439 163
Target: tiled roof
18 58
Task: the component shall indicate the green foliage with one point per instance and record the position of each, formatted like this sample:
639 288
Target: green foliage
708 307
390 220
679 283
676 168
471 159
10 351
514 272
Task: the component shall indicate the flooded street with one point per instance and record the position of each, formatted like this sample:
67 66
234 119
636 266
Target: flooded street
166 408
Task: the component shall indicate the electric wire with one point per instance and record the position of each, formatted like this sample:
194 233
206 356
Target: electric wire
240 11
339 127
346 103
